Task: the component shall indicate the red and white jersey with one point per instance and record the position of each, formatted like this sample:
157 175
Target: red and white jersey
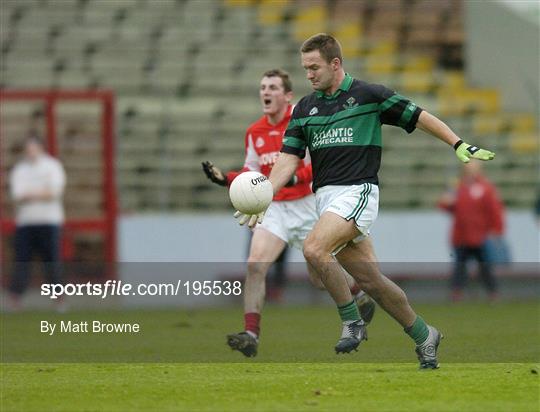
263 143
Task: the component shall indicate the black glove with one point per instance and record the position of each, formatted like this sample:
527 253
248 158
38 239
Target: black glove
214 174
292 181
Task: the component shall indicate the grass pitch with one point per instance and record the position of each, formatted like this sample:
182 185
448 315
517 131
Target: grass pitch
489 362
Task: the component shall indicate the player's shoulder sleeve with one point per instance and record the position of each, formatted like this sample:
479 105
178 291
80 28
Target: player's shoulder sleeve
294 139
395 109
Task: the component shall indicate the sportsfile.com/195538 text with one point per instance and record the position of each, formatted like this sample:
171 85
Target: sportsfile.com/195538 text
120 288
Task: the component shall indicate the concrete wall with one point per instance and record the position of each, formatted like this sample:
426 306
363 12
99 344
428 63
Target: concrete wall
502 50
420 236
213 247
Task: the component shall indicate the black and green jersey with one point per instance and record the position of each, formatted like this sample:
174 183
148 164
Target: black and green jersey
343 131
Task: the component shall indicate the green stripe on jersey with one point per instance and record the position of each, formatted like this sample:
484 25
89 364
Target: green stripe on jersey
407 114
396 98
341 115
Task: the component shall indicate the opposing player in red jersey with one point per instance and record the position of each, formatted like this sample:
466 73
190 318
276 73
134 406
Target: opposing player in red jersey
289 218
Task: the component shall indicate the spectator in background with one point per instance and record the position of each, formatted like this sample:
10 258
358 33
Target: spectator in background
478 218
37 184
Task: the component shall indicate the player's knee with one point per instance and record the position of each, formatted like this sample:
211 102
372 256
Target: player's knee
313 251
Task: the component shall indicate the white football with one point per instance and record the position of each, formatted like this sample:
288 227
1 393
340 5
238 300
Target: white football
251 193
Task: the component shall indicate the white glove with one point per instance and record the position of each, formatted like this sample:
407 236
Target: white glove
251 219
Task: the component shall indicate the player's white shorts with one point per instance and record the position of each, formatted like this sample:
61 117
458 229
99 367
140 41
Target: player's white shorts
291 220
358 202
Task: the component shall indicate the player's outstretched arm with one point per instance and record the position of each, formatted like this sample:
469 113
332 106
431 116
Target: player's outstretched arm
464 151
283 171
214 173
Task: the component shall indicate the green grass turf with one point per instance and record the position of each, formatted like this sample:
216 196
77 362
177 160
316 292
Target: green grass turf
474 333
488 362
268 387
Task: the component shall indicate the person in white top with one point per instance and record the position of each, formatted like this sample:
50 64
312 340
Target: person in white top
37 185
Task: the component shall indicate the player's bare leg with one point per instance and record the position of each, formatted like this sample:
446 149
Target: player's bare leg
317 282
327 235
318 247
365 304
360 261
314 277
264 250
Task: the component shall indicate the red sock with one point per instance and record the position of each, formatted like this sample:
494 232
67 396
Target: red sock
251 322
355 289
